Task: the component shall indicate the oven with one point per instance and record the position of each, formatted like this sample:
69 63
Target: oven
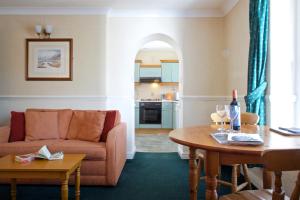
150 112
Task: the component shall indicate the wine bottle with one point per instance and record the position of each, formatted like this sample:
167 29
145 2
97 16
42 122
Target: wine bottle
235 112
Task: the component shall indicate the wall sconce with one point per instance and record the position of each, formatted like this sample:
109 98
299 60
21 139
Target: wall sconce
38 30
46 32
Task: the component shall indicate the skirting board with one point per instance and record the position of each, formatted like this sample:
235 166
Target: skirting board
130 154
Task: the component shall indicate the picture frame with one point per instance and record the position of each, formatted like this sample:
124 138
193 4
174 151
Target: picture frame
49 59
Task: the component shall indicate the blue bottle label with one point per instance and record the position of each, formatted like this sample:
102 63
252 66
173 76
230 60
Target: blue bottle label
235 116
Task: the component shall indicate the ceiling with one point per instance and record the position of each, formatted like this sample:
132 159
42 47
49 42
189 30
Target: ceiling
218 7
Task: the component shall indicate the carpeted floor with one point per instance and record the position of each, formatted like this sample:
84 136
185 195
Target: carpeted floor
150 176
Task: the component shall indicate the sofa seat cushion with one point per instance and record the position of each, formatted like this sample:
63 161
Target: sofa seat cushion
93 150
22 147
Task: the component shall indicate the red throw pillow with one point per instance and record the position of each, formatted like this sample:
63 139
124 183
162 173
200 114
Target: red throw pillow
111 120
17 126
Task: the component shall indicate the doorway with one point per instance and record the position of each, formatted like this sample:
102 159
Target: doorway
156 92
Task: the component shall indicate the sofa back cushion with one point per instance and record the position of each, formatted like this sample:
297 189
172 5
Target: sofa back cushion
112 119
41 125
64 119
86 125
17 126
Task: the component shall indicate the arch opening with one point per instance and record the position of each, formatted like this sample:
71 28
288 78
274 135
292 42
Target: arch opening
157 52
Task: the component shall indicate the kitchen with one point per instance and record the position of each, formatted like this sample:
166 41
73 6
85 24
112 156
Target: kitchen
156 96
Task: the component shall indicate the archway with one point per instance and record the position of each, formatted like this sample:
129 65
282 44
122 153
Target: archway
175 85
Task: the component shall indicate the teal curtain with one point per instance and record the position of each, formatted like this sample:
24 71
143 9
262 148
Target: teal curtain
258 56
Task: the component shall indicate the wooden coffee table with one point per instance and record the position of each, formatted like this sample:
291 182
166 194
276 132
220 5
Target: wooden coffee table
43 169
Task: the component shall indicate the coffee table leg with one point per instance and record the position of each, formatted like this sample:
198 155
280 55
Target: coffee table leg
77 184
193 174
13 189
64 189
212 169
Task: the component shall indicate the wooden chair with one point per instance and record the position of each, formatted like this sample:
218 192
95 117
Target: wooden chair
276 161
249 118
246 118
217 120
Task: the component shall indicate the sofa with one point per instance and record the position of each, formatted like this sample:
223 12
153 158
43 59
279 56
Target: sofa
99 134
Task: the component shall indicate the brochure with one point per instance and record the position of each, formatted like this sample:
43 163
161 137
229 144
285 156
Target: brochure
245 139
292 129
238 138
43 153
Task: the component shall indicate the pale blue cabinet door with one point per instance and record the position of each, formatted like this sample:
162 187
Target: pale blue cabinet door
150 72
167 119
166 74
137 72
137 118
167 115
174 119
175 72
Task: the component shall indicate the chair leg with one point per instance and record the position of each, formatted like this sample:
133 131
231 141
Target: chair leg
234 178
246 175
199 168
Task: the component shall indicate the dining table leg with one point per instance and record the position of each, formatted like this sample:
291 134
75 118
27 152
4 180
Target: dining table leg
267 179
212 169
193 175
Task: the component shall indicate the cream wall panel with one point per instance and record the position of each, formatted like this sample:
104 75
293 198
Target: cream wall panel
21 103
153 56
236 32
199 39
88 51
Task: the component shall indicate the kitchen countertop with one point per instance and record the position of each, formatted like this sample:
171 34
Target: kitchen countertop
163 100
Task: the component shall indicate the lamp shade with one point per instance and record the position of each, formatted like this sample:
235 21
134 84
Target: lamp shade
49 29
38 29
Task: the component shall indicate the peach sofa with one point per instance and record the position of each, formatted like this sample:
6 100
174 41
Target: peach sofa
104 159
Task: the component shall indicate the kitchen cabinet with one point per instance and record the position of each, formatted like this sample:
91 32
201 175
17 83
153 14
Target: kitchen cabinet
167 115
137 72
175 115
137 115
170 72
150 72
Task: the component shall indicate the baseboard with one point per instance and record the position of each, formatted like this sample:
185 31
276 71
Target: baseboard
130 154
181 153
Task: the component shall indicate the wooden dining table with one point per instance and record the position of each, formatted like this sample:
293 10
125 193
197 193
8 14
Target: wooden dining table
199 137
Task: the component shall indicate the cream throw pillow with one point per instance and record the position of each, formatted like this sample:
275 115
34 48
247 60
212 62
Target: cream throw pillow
86 125
41 125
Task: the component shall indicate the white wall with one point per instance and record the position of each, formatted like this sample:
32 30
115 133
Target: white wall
104 54
153 56
87 90
236 46
200 41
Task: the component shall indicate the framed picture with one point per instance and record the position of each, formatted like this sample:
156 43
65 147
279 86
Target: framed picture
49 59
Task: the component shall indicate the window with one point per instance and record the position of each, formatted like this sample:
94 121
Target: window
283 64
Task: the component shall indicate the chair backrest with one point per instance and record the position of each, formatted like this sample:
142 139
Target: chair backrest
216 119
283 160
249 118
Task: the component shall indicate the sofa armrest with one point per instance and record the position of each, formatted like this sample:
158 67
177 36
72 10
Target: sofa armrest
116 147
4 134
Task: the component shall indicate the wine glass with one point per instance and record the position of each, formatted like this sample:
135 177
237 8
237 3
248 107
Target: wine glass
221 111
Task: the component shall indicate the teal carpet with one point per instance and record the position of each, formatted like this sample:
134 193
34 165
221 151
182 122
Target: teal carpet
150 176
